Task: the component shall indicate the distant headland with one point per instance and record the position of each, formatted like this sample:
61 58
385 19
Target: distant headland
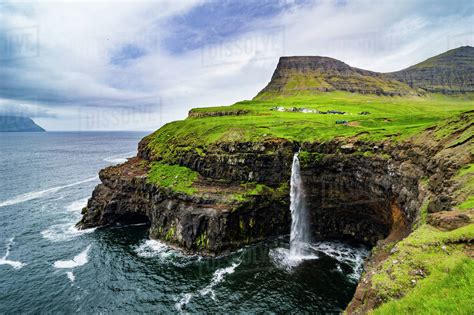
10 123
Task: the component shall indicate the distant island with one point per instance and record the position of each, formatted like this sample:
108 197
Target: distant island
9 123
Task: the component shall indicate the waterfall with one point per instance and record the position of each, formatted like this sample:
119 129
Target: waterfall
300 231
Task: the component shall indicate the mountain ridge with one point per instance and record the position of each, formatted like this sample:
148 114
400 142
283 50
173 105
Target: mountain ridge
447 73
450 72
298 74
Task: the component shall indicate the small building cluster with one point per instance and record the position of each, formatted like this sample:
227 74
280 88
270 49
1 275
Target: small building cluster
306 110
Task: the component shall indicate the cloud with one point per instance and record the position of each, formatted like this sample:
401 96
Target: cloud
16 108
136 65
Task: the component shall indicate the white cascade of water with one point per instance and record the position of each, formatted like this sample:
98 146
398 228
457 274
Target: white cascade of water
300 226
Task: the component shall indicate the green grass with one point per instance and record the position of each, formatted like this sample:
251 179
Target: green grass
445 293
445 288
252 189
465 178
391 118
177 178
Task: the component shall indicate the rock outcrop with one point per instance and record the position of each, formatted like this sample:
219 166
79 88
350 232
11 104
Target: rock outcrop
209 222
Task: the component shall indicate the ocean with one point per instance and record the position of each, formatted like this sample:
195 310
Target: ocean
48 266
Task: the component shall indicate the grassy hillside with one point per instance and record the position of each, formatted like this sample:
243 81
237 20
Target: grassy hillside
256 120
432 270
449 72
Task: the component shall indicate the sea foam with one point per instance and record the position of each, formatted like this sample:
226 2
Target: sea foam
153 248
41 193
66 231
119 159
217 277
12 263
79 260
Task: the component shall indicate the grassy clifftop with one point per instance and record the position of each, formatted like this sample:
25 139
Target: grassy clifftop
306 119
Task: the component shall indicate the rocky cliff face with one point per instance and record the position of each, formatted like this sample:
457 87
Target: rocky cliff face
450 72
208 222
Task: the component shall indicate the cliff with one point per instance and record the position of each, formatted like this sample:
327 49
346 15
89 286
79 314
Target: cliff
18 124
392 172
296 75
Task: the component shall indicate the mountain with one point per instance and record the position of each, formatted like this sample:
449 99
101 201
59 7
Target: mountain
449 72
18 124
296 75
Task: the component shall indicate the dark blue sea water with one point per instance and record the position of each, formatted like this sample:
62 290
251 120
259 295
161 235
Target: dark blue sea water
47 266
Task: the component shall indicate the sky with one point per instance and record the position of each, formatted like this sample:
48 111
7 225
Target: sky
116 65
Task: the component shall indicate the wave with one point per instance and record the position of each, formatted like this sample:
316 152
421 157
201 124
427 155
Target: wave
153 248
343 253
38 194
217 277
183 301
70 276
119 159
77 205
12 263
79 260
165 253
64 232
